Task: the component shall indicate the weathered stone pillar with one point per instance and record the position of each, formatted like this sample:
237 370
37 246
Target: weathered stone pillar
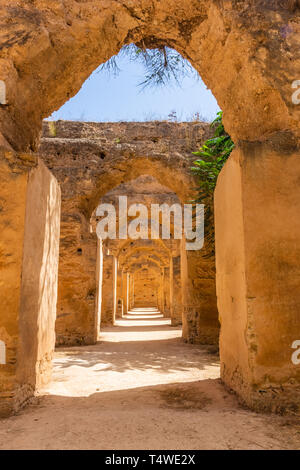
124 292
177 310
29 225
131 291
132 294
108 290
162 291
257 207
115 288
167 290
119 311
159 305
99 282
77 279
171 286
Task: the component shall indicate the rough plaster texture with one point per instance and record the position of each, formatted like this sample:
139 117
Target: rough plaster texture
145 261
39 278
257 258
14 181
50 48
30 240
248 55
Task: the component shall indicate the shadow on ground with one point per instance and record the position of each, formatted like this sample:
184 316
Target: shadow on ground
192 415
164 356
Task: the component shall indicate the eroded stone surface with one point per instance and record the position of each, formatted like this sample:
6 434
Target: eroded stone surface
257 253
246 52
29 221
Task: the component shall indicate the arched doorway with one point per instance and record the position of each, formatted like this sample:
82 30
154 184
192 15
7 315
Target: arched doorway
257 199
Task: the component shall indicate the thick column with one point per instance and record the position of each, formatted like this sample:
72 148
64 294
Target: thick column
171 286
119 311
77 279
124 292
29 225
177 309
162 291
115 288
12 221
198 277
257 207
108 290
99 282
131 291
128 292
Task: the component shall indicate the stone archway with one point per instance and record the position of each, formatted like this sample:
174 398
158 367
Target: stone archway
85 184
150 259
74 39
257 200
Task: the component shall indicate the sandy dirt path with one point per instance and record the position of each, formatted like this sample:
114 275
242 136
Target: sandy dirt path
141 387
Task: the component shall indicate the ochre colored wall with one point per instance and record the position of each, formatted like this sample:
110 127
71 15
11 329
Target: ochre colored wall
58 45
39 279
13 181
258 277
200 317
146 287
91 160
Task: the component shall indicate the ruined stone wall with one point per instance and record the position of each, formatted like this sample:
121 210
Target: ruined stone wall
177 304
48 49
257 259
200 320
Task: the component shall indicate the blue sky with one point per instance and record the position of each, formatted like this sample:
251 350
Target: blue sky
104 97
